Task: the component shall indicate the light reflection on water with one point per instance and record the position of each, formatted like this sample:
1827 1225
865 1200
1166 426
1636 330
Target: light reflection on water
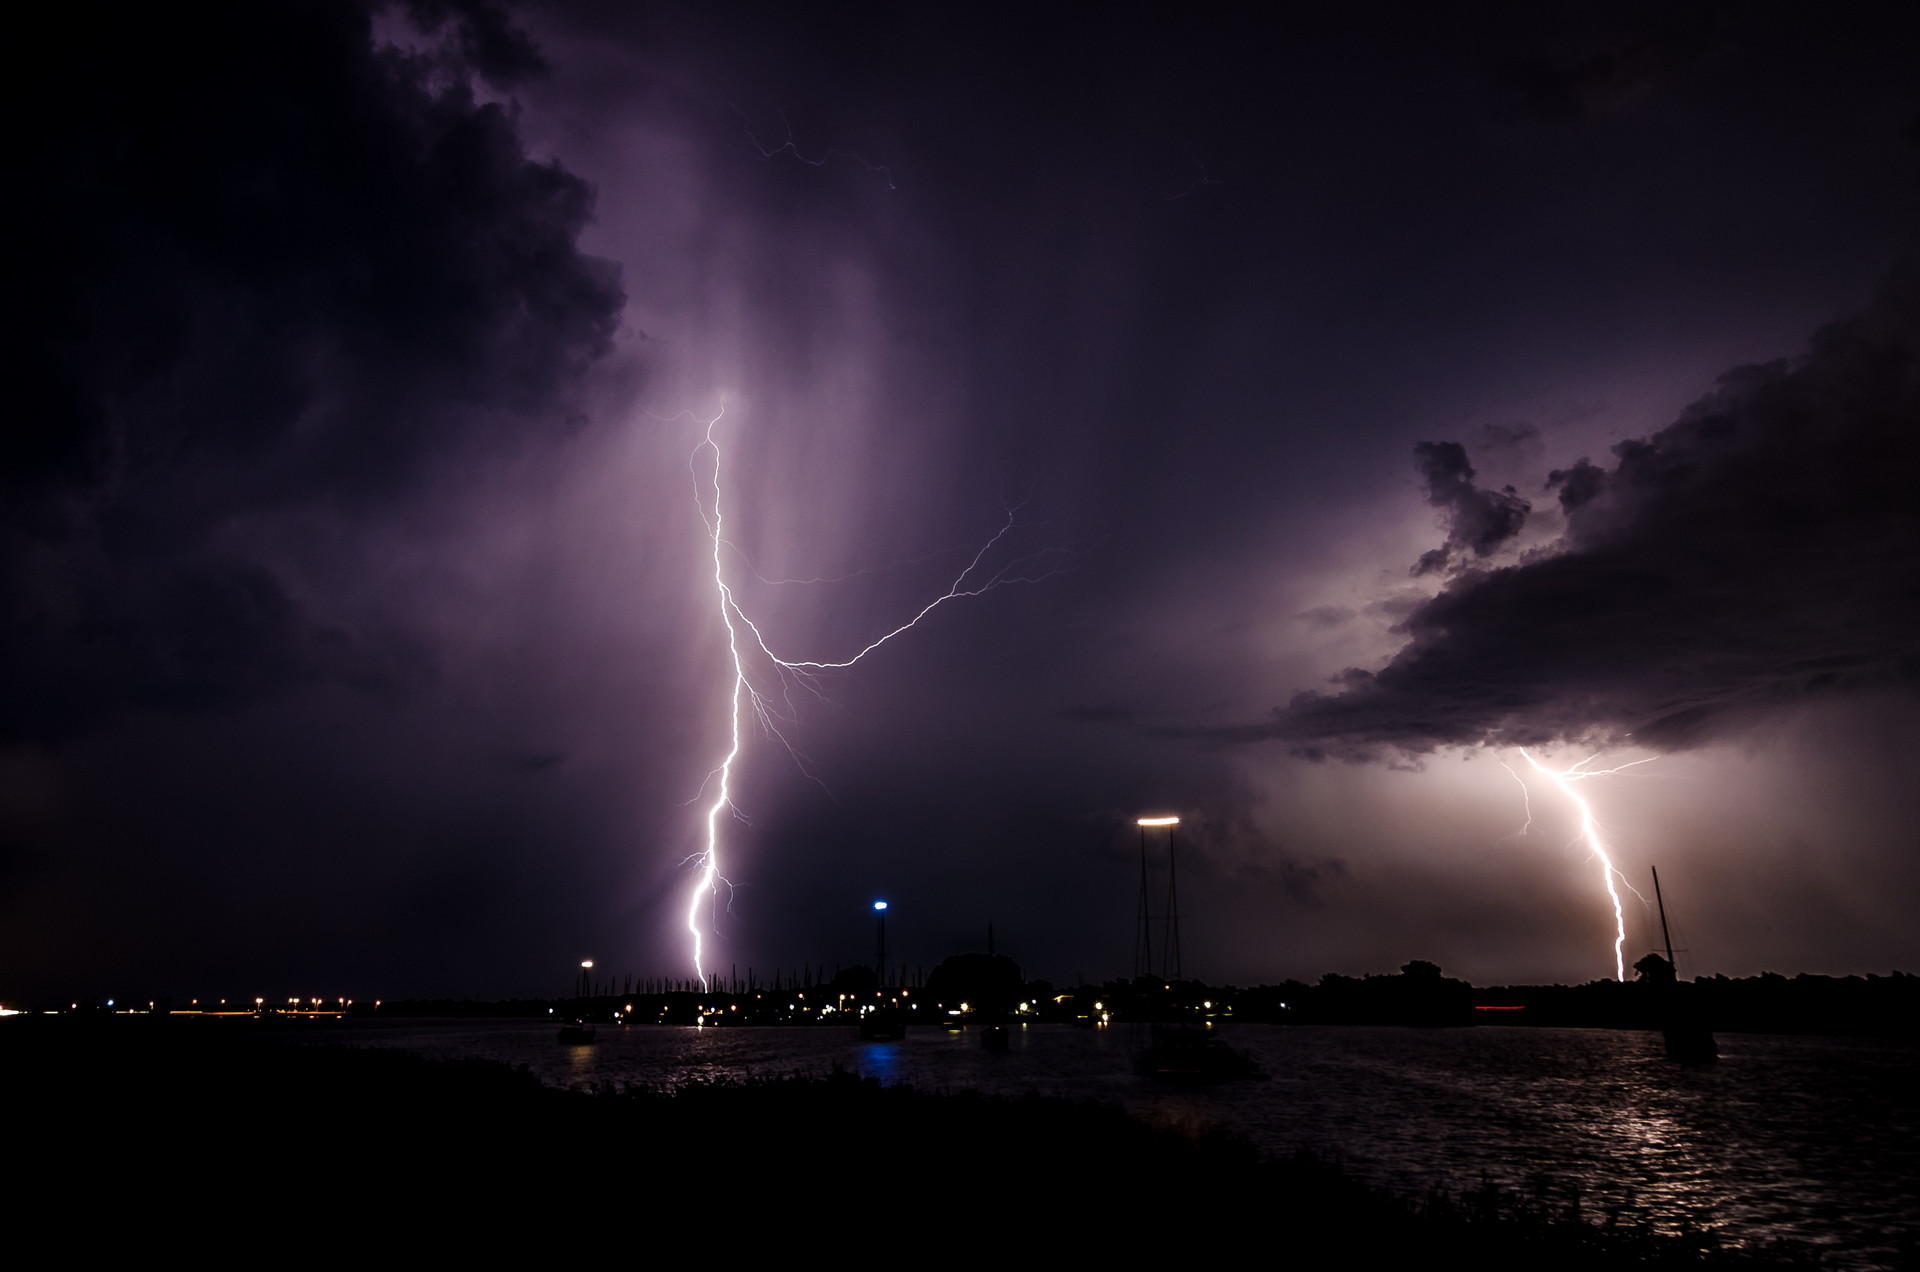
1812 1139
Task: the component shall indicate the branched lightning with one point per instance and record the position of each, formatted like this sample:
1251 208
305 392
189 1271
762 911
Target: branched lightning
708 861
791 147
1590 834
955 591
744 637
1526 799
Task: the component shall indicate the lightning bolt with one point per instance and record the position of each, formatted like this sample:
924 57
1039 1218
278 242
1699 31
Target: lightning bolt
744 637
1526 799
791 147
1590 832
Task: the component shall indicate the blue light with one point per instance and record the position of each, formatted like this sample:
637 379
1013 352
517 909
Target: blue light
879 905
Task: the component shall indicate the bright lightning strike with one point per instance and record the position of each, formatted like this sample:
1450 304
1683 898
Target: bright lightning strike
744 637
1590 832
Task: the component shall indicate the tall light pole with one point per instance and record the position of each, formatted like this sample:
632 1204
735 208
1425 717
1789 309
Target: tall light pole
880 908
1170 946
1143 941
586 984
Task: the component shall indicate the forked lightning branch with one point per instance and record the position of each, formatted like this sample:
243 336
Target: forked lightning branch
746 642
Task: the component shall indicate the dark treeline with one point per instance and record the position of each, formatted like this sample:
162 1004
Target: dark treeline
144 1128
990 987
782 980
1768 1003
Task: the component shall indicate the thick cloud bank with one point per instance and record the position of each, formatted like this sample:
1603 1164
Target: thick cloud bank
259 261
1479 520
1762 550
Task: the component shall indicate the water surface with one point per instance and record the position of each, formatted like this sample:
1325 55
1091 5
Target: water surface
1814 1140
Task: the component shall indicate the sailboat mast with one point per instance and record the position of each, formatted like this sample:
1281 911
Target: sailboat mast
1664 934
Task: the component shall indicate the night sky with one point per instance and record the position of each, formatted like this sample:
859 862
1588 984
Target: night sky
1376 390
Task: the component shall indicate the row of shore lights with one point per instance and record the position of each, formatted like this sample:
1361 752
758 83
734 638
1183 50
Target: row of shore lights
257 1002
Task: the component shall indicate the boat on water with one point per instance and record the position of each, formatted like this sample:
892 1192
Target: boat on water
576 1033
883 1023
1690 1044
1187 1053
1687 1040
995 1038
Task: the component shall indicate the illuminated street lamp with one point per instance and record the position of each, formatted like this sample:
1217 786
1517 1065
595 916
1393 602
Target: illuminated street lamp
880 908
1143 946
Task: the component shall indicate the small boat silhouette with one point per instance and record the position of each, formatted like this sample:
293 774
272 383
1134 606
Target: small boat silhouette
1184 1053
576 1033
883 1023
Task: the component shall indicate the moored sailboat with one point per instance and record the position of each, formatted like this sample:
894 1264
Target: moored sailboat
1686 1039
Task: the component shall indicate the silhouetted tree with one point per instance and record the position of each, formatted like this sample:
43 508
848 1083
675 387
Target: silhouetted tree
1655 970
990 982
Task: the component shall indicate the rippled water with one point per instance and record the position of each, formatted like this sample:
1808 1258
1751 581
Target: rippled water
1816 1140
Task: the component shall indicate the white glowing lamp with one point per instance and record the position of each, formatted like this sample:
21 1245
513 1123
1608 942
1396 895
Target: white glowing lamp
1156 821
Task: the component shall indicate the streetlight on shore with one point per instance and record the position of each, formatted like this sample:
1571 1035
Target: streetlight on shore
1143 945
880 908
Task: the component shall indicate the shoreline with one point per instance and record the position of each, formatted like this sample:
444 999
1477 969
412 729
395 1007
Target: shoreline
1836 1006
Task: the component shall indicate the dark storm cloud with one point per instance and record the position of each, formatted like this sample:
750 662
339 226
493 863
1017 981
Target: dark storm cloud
1761 551
1579 485
1497 438
481 36
1479 521
255 263
1307 882
1640 57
